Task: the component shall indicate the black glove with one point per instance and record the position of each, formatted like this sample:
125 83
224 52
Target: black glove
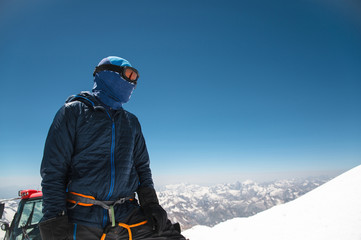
55 228
155 214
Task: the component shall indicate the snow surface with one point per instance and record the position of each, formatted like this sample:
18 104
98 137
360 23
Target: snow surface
329 212
9 212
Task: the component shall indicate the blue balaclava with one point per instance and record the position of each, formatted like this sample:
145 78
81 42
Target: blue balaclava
110 87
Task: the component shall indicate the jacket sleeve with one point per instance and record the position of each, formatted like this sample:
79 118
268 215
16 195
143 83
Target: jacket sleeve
141 159
56 161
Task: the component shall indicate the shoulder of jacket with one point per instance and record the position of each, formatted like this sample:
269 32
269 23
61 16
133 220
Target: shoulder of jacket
129 114
75 106
132 118
84 97
75 109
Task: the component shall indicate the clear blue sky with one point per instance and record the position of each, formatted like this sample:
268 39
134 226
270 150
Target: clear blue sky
226 88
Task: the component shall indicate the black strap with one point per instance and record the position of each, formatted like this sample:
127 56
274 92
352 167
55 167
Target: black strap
109 67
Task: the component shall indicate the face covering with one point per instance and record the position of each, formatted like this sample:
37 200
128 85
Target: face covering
112 89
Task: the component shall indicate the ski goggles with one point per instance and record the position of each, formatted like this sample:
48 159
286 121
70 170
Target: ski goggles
129 74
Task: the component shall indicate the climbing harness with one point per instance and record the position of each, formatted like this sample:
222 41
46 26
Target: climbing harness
88 201
126 226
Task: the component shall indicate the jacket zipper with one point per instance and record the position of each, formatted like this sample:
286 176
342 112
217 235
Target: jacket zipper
112 177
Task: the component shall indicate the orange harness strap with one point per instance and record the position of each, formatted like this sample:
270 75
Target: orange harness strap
88 201
80 203
128 227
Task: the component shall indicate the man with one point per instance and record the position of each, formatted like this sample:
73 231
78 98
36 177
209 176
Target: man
95 159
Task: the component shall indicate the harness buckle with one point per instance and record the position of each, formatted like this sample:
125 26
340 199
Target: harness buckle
111 214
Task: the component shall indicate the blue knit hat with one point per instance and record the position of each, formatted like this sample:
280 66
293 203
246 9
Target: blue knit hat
115 61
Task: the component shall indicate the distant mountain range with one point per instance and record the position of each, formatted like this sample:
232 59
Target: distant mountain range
329 212
192 205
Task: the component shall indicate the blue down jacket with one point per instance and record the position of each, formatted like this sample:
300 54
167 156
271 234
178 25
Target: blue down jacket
93 151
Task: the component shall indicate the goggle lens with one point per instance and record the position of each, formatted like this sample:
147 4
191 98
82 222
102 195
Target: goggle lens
130 74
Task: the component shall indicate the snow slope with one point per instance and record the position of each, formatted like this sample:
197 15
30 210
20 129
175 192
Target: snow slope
9 212
330 212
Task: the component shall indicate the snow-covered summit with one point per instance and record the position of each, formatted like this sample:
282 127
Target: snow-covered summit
330 212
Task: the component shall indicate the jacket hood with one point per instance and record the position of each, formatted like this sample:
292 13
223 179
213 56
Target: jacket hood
85 97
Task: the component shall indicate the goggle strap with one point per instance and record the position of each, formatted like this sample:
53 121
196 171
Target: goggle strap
109 67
